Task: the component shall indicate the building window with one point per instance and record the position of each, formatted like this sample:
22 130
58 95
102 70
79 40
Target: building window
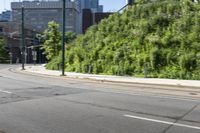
1 29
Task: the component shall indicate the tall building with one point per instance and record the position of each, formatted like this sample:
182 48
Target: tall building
90 4
39 13
5 16
90 18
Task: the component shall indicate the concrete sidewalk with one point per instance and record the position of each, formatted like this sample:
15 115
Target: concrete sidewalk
40 69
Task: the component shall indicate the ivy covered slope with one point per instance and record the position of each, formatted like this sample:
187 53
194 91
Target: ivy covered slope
162 36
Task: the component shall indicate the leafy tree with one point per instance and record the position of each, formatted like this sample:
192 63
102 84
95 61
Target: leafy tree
52 43
70 36
3 51
56 61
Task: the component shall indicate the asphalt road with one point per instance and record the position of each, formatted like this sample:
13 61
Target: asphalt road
38 104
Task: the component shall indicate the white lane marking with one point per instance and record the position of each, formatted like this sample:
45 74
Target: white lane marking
163 96
8 92
163 122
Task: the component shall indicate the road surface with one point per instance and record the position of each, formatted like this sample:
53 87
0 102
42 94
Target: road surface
39 104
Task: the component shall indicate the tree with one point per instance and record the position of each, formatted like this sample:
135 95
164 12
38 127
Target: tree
70 36
52 43
55 62
3 51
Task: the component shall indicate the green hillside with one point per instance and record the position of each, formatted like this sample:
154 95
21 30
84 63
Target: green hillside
162 36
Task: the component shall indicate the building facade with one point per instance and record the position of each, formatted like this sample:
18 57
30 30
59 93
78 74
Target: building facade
11 32
93 5
6 16
39 13
89 18
86 7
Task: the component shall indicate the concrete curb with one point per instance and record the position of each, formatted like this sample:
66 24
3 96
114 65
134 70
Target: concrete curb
186 84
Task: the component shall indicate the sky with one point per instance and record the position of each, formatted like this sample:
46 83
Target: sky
109 5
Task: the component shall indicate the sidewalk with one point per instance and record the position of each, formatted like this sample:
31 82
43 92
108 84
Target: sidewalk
116 79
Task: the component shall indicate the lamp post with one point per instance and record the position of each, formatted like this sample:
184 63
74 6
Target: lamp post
63 38
129 3
22 38
39 37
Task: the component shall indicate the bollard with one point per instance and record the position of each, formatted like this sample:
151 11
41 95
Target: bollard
89 68
145 70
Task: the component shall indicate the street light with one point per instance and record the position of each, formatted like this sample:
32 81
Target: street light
22 38
63 38
129 3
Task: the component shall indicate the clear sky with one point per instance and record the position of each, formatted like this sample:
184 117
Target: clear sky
112 5
109 5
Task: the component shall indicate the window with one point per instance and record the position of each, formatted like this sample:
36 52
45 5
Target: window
1 29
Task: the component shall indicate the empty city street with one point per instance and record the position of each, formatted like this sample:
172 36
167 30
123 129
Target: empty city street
31 103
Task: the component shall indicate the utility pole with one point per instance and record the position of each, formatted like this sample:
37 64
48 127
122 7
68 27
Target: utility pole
22 38
63 38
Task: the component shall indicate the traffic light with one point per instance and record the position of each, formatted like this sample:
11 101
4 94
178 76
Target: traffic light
130 2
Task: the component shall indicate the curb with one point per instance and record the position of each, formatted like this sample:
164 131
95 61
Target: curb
177 87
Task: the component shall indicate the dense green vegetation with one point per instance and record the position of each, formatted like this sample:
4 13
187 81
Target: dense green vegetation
3 52
52 43
162 36
55 63
52 40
